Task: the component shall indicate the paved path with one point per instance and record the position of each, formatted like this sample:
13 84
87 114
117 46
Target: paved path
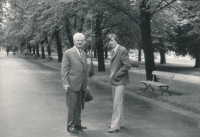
183 87
32 104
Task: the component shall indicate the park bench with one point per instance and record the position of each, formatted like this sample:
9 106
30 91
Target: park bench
34 56
49 58
29 55
163 86
25 54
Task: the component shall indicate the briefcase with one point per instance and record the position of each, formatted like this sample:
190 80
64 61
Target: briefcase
87 95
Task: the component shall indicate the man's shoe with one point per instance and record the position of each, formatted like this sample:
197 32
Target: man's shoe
73 130
80 127
122 127
111 130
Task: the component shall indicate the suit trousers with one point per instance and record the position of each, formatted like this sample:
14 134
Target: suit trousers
118 112
74 102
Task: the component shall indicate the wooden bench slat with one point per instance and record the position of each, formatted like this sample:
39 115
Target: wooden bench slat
155 83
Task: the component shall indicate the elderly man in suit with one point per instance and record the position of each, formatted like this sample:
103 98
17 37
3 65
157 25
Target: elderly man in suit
74 81
119 66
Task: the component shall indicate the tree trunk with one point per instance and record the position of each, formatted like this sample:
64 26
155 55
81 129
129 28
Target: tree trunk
147 41
106 52
75 22
22 46
99 43
197 61
21 49
139 54
69 34
42 49
95 53
37 49
162 57
48 46
49 50
58 43
29 47
80 29
33 49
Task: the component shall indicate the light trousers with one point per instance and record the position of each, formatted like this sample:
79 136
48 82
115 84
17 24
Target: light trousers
118 112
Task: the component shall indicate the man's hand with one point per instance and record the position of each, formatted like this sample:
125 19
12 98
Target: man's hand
87 88
66 87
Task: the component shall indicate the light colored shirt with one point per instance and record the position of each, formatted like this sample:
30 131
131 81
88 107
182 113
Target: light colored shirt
115 48
78 51
113 51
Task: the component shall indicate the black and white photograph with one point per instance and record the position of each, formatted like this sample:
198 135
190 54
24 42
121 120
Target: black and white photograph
99 68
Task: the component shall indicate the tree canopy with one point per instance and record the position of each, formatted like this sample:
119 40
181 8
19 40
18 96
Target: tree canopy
149 24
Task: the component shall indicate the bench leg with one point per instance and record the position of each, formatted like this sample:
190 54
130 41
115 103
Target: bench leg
165 90
147 86
151 88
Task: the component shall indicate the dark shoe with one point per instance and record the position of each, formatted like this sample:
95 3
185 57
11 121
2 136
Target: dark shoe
73 130
111 130
122 127
80 127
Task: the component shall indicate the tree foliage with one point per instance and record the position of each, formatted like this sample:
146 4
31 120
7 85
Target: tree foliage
136 22
185 43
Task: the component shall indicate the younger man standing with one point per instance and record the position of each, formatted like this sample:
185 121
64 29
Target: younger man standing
119 66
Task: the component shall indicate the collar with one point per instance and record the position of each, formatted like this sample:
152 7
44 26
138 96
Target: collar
116 48
77 50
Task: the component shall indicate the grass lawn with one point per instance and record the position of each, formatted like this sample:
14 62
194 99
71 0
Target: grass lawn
184 94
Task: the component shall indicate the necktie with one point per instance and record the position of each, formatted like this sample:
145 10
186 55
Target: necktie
80 51
112 53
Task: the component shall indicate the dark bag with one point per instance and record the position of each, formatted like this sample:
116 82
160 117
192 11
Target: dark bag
87 96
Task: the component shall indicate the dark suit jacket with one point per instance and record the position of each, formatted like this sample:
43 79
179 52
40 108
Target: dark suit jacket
74 70
119 66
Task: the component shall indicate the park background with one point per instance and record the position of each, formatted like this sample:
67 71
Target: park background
156 33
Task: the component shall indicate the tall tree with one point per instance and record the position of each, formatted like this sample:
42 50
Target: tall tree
99 41
105 21
186 44
42 48
159 46
185 34
141 12
46 42
56 35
